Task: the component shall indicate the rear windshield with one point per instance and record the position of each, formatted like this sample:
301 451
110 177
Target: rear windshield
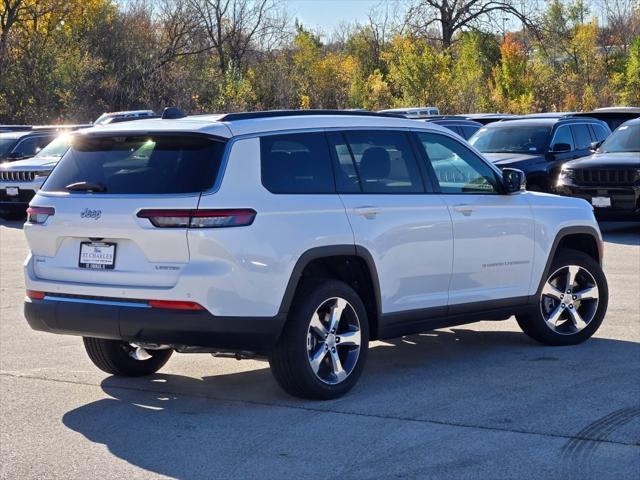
512 139
161 164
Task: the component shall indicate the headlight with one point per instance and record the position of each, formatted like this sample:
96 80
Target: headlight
567 173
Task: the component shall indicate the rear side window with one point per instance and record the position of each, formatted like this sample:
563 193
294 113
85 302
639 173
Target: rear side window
296 163
581 136
161 164
382 162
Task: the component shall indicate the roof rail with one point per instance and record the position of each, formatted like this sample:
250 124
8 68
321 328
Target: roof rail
112 120
230 117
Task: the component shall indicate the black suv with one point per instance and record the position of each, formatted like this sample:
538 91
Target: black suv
539 146
610 178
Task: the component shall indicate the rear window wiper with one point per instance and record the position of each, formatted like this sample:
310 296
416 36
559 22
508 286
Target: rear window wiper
86 187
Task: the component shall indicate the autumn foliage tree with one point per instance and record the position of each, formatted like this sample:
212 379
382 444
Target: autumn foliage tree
71 60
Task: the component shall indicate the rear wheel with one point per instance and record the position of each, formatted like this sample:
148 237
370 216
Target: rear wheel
123 359
323 347
572 302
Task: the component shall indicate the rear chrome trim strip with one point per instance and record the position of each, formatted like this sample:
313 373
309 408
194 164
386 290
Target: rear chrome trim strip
97 302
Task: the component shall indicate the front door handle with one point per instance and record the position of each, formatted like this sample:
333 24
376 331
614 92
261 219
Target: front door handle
367 211
464 209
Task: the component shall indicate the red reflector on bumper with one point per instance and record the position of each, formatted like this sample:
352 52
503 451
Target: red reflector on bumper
32 294
175 305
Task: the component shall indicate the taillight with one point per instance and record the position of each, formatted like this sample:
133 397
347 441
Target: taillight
35 295
238 217
39 215
175 305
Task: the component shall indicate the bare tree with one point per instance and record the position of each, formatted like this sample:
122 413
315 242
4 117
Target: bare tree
452 16
621 19
234 27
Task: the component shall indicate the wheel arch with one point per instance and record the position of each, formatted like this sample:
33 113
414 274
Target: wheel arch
584 239
352 264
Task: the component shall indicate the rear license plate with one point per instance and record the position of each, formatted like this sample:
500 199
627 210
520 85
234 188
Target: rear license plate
601 202
13 191
97 255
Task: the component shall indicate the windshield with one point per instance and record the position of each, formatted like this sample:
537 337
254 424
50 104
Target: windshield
625 139
514 139
157 164
6 144
56 148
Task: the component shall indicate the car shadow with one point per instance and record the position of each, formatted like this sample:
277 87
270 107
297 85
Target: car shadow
237 424
14 224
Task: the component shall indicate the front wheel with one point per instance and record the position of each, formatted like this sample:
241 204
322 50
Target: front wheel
323 347
123 359
572 302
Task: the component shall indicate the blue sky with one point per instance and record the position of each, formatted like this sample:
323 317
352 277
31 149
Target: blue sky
328 14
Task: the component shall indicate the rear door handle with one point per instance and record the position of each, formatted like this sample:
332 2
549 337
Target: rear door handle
367 211
464 209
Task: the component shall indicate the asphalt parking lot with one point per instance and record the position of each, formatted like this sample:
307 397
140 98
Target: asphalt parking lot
478 401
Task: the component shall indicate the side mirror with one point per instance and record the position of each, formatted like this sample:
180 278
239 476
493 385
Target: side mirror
513 180
561 147
595 145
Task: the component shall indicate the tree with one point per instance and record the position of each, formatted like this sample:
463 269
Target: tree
234 27
512 90
455 16
631 92
419 74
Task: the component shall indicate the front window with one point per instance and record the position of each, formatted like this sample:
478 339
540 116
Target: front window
511 139
625 139
457 169
6 144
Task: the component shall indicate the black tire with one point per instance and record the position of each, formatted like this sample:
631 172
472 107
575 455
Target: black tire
112 356
533 323
289 360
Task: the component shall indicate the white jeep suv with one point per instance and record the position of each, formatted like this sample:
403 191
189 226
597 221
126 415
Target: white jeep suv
298 236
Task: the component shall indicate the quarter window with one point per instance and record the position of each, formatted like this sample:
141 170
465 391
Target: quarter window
296 163
381 162
457 169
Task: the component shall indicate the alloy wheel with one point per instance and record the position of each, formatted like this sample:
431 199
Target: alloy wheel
334 340
569 299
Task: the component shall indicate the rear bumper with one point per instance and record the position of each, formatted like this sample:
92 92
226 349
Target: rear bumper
625 201
115 321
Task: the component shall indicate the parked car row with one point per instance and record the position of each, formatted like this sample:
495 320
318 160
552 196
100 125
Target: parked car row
538 144
561 152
